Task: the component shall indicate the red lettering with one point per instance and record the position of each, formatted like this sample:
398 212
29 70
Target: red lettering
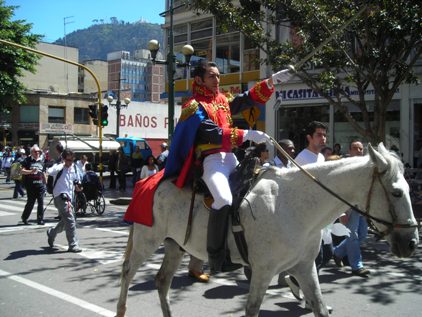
145 121
122 120
130 122
138 119
153 122
166 122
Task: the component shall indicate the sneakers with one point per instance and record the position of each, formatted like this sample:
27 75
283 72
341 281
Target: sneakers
362 272
50 238
41 222
199 276
25 222
75 250
294 286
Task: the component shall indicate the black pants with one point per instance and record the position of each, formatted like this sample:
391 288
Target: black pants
122 180
34 194
18 189
112 180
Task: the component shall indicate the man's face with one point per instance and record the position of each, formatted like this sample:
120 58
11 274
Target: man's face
317 140
68 161
211 79
290 149
356 149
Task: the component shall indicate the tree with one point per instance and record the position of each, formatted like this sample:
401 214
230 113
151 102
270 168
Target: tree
377 51
13 60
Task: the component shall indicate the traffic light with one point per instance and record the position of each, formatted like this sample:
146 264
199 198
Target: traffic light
93 113
104 116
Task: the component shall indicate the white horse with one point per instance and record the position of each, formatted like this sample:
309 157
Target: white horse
282 217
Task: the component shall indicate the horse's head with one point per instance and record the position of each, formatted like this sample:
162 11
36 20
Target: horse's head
389 200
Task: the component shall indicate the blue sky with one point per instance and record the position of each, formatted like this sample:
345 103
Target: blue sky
47 16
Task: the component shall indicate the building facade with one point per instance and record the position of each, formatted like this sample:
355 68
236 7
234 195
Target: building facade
239 64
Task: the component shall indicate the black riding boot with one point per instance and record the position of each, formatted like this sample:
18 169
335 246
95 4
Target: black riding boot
218 260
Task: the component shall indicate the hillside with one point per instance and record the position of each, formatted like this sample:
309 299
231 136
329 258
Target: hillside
97 40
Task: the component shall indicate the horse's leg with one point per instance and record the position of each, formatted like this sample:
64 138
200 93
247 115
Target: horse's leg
309 283
259 284
172 256
136 253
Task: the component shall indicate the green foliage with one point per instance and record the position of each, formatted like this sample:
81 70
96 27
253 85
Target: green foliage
99 39
14 61
379 48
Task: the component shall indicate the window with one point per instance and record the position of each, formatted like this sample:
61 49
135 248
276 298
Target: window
81 115
56 115
201 29
29 114
250 56
228 53
180 33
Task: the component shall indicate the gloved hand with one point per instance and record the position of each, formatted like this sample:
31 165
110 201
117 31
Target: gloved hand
255 136
283 76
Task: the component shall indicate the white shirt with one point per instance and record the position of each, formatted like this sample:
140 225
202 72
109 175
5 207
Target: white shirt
308 157
279 163
65 182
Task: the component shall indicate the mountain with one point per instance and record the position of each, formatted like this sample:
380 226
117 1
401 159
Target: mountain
97 40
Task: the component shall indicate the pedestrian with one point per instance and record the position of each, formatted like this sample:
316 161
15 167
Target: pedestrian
282 161
316 136
150 168
136 164
112 168
162 158
80 165
33 171
122 168
19 158
358 227
326 151
7 163
66 182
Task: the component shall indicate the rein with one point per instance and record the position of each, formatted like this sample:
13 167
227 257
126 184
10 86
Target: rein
390 225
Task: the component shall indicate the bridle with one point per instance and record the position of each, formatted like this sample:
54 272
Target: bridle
391 225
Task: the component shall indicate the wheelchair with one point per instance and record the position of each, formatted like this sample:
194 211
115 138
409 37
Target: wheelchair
90 199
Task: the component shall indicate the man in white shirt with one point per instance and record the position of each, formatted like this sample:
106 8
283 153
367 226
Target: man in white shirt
316 134
66 178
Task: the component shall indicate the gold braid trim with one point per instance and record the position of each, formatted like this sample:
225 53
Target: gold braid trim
257 90
189 110
233 137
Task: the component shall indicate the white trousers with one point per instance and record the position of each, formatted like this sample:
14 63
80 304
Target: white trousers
217 168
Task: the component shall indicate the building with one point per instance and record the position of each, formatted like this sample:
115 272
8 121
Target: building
134 76
86 83
239 65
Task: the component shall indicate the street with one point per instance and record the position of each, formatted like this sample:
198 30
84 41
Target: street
38 281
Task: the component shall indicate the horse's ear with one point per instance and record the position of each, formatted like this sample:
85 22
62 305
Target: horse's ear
377 157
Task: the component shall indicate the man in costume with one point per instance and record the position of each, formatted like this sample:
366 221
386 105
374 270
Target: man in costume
205 131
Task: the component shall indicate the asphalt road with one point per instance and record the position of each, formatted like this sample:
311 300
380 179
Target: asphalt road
38 281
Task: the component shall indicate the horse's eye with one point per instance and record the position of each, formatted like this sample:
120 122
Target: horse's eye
397 193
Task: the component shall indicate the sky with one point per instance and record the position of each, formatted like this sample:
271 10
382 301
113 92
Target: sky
51 17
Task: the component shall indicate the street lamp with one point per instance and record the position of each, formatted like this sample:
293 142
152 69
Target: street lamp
118 105
187 50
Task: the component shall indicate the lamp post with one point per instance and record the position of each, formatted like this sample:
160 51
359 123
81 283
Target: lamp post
118 106
187 50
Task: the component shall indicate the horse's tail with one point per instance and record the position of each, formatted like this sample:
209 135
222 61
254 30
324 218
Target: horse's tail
129 245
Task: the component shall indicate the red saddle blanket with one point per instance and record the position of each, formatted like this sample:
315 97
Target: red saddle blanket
140 207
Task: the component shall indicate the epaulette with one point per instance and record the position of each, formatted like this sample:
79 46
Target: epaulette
229 96
189 110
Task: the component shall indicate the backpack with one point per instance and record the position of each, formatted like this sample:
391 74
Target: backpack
51 181
16 171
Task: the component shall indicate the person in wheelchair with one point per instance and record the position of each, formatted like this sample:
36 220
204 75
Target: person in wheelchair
91 184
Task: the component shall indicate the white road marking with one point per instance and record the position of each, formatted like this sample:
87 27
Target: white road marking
5 213
63 296
126 233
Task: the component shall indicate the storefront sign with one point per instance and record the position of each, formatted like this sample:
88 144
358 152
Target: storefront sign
304 93
55 128
142 119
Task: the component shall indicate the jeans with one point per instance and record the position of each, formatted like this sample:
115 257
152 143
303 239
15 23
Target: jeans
34 193
350 246
18 189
